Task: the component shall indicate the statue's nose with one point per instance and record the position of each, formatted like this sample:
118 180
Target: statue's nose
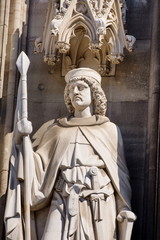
75 90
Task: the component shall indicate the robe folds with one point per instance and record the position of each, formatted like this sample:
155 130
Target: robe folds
53 142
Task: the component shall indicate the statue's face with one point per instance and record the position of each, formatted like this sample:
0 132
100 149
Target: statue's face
80 95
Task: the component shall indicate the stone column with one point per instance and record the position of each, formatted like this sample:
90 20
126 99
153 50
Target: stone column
11 46
152 212
4 19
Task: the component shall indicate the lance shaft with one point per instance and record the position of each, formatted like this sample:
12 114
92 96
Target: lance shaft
23 64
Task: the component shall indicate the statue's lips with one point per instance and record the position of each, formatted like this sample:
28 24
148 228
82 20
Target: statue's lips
77 98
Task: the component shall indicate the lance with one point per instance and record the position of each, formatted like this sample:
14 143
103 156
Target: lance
23 64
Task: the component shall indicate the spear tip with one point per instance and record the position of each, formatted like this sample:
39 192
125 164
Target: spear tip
23 63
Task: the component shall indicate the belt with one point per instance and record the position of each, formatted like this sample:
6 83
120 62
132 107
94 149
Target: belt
77 191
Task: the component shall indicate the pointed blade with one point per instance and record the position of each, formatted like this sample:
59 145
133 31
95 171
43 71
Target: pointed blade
23 63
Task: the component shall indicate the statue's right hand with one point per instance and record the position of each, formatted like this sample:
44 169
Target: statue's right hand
24 127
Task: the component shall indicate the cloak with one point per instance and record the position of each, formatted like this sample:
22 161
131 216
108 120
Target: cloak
106 140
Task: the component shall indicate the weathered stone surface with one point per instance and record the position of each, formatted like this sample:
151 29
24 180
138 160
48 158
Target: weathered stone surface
131 117
139 21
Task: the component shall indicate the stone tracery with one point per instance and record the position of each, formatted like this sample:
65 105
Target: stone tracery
99 21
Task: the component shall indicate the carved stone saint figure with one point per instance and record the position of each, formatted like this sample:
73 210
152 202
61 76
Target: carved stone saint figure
78 176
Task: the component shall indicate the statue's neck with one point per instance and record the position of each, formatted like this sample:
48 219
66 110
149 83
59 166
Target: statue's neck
87 112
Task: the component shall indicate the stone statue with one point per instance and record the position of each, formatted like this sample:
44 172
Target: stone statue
78 179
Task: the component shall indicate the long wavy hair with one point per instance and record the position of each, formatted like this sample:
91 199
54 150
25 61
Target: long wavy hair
98 95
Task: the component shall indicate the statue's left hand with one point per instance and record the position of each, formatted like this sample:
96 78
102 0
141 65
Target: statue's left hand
126 214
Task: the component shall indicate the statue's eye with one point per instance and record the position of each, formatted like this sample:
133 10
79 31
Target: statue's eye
71 88
80 87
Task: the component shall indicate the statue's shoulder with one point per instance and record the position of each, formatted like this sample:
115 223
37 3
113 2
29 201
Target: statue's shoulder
113 131
110 126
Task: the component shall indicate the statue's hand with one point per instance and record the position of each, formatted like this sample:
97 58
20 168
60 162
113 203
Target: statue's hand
24 128
126 214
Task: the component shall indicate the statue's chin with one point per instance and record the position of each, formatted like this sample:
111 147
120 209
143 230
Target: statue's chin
79 105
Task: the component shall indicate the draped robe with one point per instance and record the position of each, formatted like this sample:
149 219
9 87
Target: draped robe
104 137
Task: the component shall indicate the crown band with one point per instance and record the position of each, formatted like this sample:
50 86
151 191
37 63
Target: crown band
83 72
